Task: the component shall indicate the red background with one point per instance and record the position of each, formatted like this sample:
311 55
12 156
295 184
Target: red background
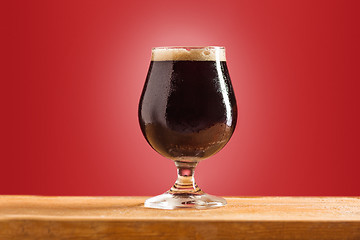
72 74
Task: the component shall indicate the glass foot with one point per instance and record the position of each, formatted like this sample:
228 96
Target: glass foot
192 201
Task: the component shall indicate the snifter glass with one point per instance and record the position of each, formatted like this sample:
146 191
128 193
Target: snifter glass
187 113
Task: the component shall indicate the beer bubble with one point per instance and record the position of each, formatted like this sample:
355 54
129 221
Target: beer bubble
207 52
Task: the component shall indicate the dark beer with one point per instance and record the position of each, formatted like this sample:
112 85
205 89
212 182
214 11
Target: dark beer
187 112
187 109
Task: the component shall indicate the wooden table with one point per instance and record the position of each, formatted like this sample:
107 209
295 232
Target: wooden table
108 218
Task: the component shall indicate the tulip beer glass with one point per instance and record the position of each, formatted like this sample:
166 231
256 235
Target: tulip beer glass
187 113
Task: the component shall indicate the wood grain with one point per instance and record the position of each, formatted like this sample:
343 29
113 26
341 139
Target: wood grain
108 218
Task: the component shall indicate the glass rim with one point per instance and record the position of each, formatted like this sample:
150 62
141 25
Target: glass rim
187 47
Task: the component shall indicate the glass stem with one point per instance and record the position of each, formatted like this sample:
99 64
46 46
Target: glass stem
185 183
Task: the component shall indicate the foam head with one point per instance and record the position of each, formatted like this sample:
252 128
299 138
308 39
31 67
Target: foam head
211 53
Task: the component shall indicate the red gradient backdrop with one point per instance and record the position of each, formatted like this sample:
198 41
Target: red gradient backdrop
72 74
